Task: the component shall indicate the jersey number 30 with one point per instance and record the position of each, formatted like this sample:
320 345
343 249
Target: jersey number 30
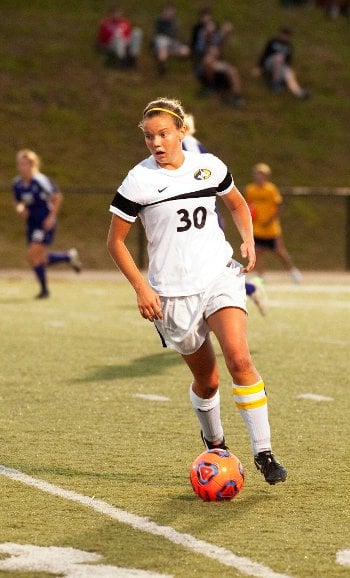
198 219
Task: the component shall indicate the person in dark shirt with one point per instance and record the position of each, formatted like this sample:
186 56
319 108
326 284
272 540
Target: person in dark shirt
275 65
165 40
206 32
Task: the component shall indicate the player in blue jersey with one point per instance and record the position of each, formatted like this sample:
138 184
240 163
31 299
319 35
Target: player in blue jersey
194 286
190 143
38 201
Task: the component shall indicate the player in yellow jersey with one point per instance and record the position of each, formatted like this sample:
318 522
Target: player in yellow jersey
265 202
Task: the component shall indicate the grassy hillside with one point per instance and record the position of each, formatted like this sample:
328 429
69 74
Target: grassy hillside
58 98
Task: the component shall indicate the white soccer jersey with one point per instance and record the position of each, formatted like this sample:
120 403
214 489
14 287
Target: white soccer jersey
186 247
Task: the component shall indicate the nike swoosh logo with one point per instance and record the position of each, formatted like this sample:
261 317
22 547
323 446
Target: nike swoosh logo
161 190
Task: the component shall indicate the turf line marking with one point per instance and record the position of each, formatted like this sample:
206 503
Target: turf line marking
343 557
151 397
221 555
315 397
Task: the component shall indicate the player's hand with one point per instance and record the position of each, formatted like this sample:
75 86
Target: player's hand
49 222
22 210
248 252
149 304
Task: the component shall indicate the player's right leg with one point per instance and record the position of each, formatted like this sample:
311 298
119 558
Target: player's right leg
37 256
204 393
284 256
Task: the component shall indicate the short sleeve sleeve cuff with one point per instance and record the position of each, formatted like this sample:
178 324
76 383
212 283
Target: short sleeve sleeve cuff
226 185
124 208
122 215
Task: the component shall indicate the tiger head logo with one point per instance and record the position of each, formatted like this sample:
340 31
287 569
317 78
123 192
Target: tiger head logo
202 174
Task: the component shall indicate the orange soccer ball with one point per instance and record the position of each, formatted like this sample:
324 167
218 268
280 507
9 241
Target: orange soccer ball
217 475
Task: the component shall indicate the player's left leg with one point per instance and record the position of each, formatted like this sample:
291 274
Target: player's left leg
71 257
204 393
229 326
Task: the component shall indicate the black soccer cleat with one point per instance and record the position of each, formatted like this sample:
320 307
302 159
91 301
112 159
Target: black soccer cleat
271 469
211 446
44 294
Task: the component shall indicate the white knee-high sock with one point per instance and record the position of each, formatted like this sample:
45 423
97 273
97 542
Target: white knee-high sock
251 401
208 413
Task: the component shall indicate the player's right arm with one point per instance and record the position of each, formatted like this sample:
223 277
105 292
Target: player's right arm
148 301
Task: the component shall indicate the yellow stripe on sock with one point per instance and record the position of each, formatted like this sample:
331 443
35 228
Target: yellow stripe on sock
248 389
252 404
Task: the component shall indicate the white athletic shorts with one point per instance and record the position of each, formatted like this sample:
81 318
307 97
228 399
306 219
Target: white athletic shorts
184 326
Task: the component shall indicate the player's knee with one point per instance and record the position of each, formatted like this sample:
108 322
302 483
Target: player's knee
206 385
206 390
31 257
239 364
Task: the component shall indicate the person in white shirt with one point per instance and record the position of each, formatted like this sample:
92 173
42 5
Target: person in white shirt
194 286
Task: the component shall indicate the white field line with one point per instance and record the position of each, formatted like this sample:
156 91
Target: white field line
151 397
288 303
314 397
308 288
221 555
343 558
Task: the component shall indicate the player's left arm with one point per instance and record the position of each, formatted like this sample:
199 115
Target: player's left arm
241 216
55 206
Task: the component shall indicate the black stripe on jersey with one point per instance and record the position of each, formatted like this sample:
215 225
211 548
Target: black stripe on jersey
126 206
228 180
211 192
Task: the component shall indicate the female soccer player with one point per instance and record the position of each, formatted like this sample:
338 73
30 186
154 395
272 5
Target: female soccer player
194 286
38 202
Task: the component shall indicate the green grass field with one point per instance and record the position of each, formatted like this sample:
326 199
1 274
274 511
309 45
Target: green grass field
71 367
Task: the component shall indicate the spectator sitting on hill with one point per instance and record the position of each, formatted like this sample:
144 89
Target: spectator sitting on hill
165 41
206 32
219 75
275 65
119 40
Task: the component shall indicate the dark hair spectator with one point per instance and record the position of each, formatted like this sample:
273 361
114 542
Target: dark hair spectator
275 65
165 41
119 40
207 32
